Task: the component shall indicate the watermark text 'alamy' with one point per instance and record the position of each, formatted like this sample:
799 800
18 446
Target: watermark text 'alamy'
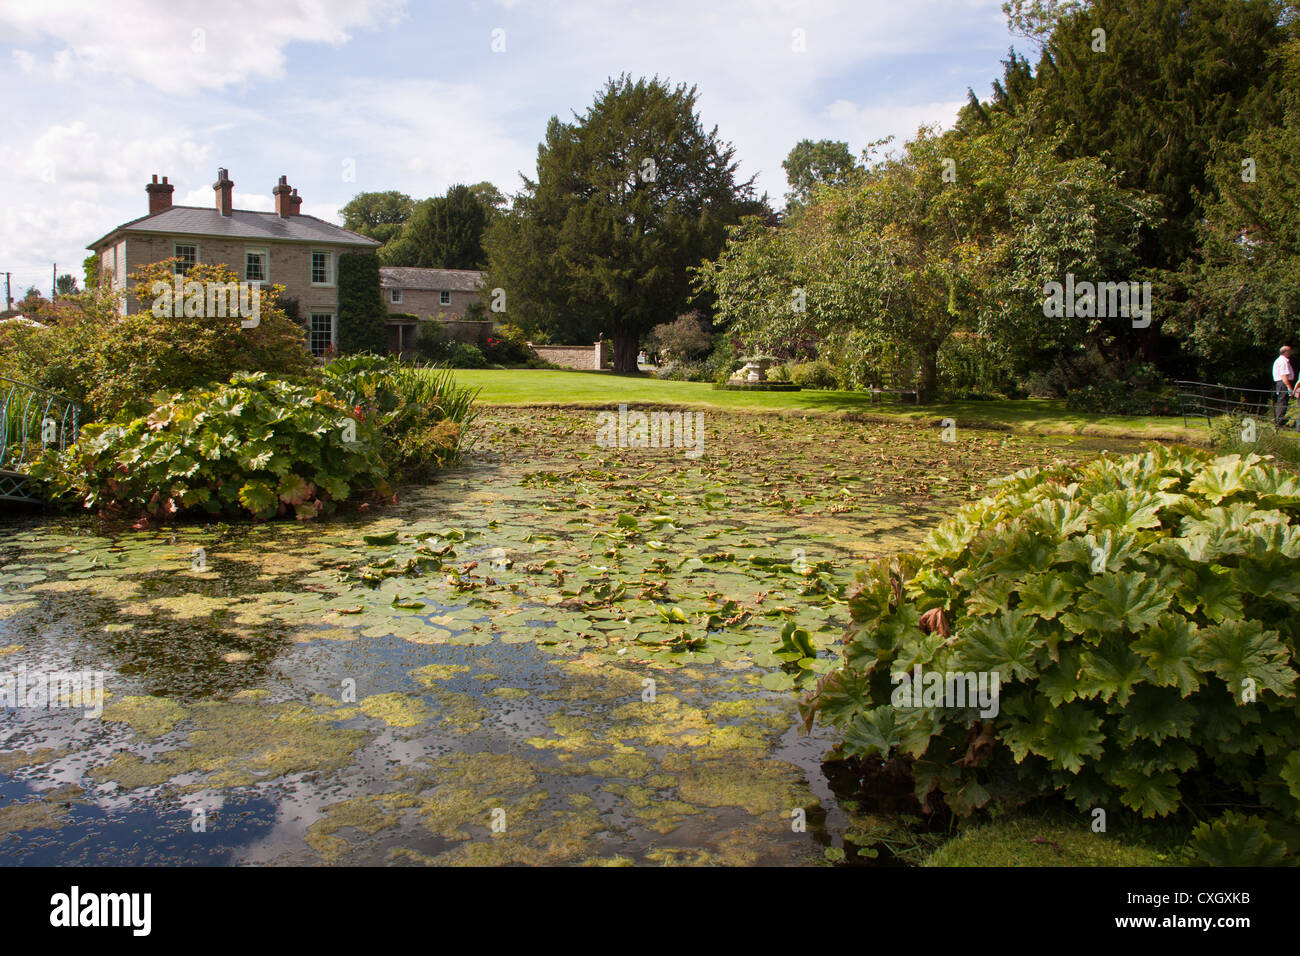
213 300
654 430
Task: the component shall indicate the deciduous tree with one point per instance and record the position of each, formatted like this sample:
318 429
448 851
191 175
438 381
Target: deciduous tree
379 215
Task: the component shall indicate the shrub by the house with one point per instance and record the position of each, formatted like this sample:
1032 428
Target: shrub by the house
115 364
254 446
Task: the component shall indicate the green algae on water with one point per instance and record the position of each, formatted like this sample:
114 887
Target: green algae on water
147 716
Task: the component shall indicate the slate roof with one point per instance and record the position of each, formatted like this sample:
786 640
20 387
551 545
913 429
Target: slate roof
240 224
430 280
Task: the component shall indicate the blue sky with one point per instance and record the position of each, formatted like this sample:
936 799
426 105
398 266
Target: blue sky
344 96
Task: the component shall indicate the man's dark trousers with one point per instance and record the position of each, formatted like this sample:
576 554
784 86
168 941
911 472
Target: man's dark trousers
1283 395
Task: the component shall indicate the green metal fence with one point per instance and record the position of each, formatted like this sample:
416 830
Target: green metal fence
33 421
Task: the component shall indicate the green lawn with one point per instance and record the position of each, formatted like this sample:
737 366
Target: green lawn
604 389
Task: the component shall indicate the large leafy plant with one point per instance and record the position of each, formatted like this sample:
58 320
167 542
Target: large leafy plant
1141 616
255 446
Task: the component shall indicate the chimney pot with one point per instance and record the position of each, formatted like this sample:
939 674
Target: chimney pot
283 205
160 194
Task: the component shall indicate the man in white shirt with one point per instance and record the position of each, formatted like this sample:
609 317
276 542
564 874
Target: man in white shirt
1283 385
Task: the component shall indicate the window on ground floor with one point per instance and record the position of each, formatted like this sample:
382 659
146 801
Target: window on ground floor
322 332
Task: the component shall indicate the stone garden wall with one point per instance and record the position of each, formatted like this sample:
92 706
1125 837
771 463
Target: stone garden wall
573 356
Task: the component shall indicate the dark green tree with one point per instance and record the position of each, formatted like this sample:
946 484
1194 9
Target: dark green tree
379 215
628 197
1151 87
362 316
1245 285
445 232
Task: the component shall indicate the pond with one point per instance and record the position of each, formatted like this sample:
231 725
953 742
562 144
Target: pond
562 652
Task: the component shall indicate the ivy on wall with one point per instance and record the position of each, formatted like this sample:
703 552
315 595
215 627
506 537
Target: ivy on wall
362 316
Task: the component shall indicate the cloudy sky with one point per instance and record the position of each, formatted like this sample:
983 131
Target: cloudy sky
345 96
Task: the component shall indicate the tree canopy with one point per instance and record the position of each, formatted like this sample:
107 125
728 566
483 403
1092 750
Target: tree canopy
444 232
379 215
626 199
959 231
809 165
1245 282
1152 88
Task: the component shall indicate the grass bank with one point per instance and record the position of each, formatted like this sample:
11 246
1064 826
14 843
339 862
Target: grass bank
524 387
1053 840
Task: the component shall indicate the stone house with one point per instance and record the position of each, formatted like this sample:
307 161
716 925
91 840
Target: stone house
416 295
283 247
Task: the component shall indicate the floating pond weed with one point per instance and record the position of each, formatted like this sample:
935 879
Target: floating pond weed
499 625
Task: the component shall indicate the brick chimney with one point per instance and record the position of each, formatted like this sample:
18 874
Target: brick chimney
224 188
295 201
160 194
283 205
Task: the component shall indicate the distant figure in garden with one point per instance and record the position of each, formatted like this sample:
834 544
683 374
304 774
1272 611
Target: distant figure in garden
1284 385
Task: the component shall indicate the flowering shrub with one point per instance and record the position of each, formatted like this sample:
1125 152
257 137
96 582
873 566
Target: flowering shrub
508 346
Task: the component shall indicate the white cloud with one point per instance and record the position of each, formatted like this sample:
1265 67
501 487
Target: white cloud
418 136
862 124
103 99
181 45
754 84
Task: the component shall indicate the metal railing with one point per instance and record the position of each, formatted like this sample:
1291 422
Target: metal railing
32 421
1209 401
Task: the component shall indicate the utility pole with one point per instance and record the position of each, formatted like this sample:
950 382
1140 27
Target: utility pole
9 299
54 281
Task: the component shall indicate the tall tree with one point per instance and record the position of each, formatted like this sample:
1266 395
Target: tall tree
445 232
1245 285
379 215
627 198
809 165
491 198
1151 86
